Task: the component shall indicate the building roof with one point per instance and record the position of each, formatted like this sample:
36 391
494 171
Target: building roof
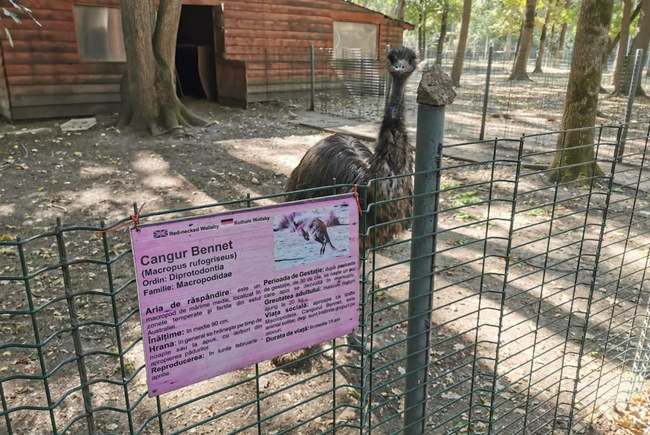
406 25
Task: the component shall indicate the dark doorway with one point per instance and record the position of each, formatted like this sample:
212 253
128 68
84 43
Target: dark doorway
195 63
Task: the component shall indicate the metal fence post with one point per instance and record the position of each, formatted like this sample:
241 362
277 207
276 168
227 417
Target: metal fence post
312 78
74 323
641 360
116 320
592 288
486 93
24 268
634 84
434 93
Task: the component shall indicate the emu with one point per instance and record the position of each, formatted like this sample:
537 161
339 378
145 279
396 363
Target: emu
347 160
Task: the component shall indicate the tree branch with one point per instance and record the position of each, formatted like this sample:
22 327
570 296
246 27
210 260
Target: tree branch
612 42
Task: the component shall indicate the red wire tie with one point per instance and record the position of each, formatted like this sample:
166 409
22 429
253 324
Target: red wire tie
135 218
356 197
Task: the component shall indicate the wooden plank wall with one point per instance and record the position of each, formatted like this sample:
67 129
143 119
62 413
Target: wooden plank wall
44 73
273 37
45 76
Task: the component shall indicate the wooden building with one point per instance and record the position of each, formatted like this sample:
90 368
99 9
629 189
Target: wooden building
73 64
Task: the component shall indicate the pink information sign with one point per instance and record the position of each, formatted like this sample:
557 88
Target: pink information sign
221 292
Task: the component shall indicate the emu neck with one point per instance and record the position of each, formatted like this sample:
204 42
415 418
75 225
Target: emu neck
395 107
393 151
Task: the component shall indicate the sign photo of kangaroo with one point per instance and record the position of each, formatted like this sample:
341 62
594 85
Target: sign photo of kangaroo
315 235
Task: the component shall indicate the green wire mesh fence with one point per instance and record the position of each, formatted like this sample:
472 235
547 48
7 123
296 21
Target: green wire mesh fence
539 314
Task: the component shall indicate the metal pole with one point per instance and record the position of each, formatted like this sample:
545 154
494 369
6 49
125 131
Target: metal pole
486 93
634 84
312 76
434 93
74 323
642 355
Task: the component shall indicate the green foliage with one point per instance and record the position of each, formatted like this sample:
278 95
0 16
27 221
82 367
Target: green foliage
617 17
448 185
13 10
466 199
464 216
504 16
537 212
415 9
387 7
492 20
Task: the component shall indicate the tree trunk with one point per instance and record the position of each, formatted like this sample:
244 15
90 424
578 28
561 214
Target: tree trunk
559 49
622 44
559 53
421 33
443 32
507 48
540 51
424 32
574 158
150 28
521 31
640 41
457 69
525 41
401 6
542 41
551 40
612 42
419 29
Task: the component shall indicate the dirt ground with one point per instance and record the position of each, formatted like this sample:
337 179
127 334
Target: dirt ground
97 175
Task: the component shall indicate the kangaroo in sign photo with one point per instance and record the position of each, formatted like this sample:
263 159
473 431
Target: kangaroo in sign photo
317 231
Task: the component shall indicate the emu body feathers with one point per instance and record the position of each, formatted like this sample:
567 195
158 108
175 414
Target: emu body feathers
344 159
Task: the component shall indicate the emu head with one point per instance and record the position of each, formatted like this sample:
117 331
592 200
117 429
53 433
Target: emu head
401 62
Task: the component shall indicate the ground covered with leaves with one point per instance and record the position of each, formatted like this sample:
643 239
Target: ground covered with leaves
631 418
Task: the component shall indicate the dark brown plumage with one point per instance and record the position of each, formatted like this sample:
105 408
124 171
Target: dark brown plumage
348 161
